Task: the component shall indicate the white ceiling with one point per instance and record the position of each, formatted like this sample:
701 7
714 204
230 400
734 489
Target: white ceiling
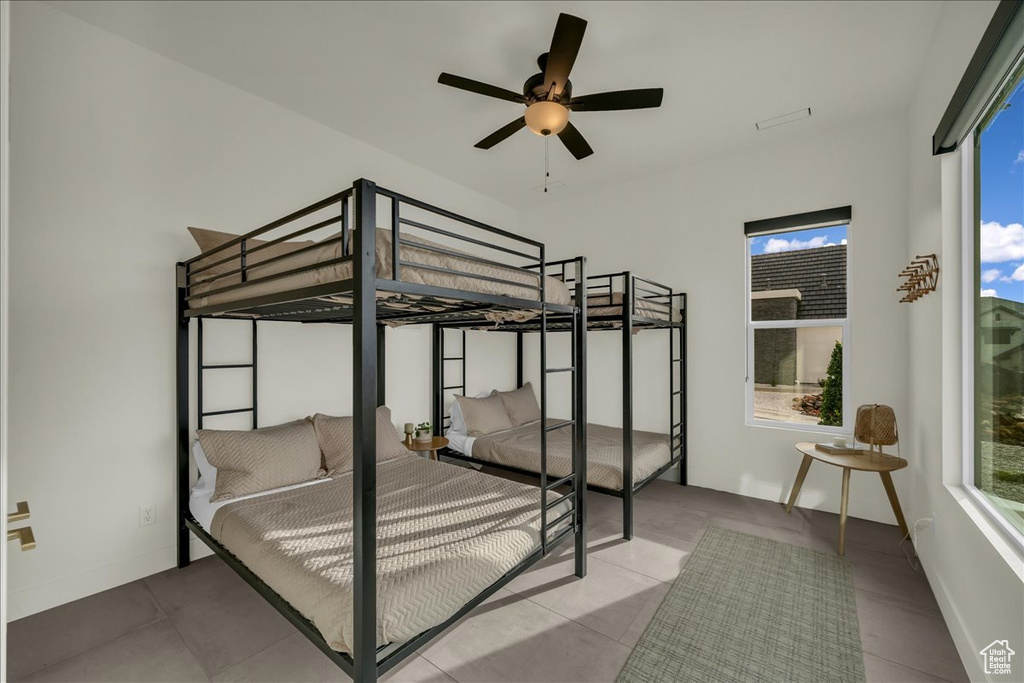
369 69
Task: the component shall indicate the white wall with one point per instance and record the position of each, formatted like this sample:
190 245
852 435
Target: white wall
976 577
685 229
115 151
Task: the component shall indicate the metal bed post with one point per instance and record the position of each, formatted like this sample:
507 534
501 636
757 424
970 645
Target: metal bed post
255 392
682 388
580 414
364 471
544 429
627 406
437 377
199 373
381 377
181 387
519 359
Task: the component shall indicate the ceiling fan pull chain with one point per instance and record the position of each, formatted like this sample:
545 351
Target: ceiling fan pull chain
547 173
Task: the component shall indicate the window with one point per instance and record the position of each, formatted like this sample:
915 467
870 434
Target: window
995 453
797 328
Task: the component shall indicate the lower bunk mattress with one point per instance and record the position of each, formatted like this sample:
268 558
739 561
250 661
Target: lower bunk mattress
520 448
444 534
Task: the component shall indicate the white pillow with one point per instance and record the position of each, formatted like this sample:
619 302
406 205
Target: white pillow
458 421
207 472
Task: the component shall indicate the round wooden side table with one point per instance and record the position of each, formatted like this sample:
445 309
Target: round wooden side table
424 446
862 461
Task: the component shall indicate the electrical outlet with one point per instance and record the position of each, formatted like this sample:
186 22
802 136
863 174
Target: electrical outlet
147 515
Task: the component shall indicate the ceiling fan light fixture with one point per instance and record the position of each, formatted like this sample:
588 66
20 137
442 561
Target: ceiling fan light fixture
546 118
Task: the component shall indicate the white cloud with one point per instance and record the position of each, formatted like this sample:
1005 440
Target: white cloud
843 241
1001 242
988 292
1018 275
775 245
991 275
1020 157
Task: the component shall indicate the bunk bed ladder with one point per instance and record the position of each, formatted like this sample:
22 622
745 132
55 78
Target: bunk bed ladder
551 534
441 361
202 367
677 388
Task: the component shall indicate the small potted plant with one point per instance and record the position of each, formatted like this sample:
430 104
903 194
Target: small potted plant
423 432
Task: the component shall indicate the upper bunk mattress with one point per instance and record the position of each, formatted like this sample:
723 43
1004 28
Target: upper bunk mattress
604 305
444 534
556 291
520 447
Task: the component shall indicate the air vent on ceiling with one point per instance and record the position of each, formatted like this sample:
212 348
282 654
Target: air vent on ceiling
785 118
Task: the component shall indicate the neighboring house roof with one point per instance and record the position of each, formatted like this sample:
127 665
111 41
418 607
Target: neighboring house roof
992 304
819 274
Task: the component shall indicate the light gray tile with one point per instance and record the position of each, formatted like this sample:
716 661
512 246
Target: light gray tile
513 639
416 670
297 660
687 524
607 599
796 538
153 653
880 670
906 634
603 506
49 637
890 575
881 538
221 618
640 622
649 553
721 503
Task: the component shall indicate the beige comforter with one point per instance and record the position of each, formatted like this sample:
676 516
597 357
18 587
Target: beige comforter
444 534
520 447
599 305
555 290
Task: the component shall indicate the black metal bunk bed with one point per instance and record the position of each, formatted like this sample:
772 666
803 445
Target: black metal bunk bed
420 303
642 305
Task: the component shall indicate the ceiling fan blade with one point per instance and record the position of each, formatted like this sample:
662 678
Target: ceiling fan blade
479 88
502 133
646 98
565 45
574 142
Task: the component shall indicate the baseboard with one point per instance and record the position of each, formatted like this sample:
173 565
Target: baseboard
34 599
965 645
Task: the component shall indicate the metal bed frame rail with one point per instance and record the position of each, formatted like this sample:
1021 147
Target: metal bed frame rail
367 662
645 304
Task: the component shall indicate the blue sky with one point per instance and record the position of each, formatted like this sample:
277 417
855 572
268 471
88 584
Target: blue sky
1002 202
798 239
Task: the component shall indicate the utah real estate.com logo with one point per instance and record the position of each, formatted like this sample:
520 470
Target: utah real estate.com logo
997 657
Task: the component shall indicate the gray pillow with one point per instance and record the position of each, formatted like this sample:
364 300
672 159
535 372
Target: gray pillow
484 415
336 438
521 404
258 460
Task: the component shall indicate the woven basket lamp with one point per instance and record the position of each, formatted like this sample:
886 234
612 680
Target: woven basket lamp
876 426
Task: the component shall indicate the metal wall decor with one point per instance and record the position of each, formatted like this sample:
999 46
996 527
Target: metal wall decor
922 274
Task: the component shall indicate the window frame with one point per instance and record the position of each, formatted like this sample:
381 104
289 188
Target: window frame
751 325
970 288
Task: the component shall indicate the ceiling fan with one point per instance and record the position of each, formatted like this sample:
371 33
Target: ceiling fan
548 95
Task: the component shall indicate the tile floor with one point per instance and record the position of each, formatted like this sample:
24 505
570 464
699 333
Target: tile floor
205 624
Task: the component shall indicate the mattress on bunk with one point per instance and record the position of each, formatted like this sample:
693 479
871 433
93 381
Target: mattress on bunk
520 447
556 291
602 305
444 534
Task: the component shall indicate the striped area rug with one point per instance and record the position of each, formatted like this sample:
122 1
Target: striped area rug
746 608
